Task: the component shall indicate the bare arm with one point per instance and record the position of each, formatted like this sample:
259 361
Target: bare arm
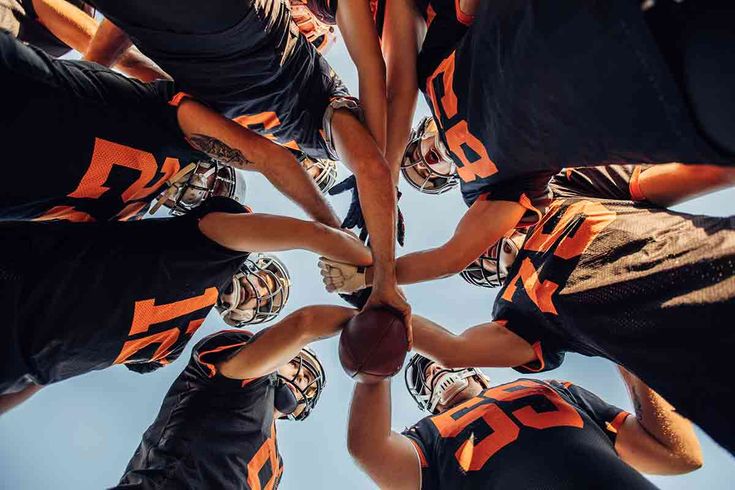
481 226
672 183
108 44
484 345
12 400
403 33
270 233
283 341
77 29
358 30
232 144
386 456
378 202
657 440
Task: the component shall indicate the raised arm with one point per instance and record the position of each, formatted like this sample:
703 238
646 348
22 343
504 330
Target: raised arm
356 25
270 233
485 345
232 144
108 44
672 183
282 342
386 456
76 29
657 440
481 226
11 400
378 201
403 33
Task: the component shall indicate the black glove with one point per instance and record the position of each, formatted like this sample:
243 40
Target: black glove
358 298
355 219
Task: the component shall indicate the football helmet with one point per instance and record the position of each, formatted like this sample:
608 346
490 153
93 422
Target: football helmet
307 364
444 384
491 268
196 183
323 171
318 32
257 292
426 163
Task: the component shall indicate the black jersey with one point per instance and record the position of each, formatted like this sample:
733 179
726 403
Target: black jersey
648 288
81 142
83 296
527 434
212 432
246 59
535 86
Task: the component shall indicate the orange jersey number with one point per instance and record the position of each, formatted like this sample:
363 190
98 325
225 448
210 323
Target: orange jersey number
472 454
474 160
147 313
571 237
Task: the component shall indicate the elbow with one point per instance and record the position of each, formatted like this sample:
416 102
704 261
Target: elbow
688 461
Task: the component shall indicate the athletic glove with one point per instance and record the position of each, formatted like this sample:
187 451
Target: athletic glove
340 277
355 219
143 367
358 299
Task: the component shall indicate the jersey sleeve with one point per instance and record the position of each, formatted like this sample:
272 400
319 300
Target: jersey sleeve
547 348
214 349
618 182
531 191
422 438
608 418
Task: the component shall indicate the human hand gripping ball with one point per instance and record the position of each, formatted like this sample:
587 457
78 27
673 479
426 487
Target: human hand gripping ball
373 345
340 277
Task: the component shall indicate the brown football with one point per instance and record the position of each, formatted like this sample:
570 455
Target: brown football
373 345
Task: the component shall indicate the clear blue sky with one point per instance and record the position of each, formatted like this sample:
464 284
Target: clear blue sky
80 434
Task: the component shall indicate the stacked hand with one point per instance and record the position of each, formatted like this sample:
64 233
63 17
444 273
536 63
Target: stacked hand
340 277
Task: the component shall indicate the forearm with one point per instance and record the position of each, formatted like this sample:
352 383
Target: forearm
292 180
336 245
370 402
377 194
401 107
484 345
422 266
12 400
681 449
374 105
107 45
673 183
232 144
67 22
280 343
137 65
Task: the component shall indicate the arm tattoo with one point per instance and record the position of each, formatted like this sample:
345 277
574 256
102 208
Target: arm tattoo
218 150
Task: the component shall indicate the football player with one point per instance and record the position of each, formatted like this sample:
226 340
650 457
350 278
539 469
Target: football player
527 433
58 26
559 86
608 271
217 424
86 296
102 146
249 62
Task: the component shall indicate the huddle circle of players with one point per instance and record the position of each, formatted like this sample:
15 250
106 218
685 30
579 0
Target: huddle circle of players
560 123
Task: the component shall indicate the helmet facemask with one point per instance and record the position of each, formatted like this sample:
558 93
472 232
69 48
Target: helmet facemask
196 183
491 269
257 292
308 364
424 158
444 385
323 171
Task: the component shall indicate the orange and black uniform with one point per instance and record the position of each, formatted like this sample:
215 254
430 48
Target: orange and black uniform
245 59
79 297
534 86
527 434
81 142
212 432
607 274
